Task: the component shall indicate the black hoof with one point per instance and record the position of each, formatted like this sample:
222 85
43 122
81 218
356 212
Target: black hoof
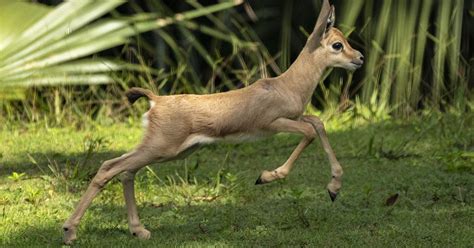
259 181
332 195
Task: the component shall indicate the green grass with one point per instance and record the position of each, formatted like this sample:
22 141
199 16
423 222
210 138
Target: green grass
210 198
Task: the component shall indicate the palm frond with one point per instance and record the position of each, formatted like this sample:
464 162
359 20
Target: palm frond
47 46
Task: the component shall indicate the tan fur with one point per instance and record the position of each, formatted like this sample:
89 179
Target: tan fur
178 124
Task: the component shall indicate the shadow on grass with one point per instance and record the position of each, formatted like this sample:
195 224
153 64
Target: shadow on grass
267 222
37 164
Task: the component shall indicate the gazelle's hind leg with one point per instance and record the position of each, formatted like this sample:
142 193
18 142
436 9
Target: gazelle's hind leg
134 225
108 170
178 147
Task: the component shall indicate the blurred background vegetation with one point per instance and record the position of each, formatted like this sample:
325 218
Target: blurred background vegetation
66 63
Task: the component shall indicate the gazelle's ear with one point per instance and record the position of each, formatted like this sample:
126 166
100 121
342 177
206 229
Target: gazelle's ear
331 18
330 21
314 39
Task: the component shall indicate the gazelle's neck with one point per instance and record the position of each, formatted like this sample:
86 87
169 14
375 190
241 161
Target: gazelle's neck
303 75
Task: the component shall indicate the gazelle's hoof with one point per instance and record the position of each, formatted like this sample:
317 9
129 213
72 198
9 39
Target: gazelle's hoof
259 181
266 177
141 233
69 235
332 195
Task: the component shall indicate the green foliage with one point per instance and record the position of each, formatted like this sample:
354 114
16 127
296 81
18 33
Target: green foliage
48 45
35 55
400 72
16 176
415 63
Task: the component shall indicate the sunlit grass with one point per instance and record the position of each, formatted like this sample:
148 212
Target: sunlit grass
210 199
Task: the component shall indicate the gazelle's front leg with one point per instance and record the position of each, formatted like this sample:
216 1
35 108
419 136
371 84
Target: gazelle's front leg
316 125
336 169
134 225
291 126
284 170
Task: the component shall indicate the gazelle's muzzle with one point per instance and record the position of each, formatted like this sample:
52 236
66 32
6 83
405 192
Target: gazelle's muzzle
358 61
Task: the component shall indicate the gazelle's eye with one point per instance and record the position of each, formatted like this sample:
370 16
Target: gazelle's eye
337 46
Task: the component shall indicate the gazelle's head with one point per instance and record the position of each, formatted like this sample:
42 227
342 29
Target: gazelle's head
338 51
329 43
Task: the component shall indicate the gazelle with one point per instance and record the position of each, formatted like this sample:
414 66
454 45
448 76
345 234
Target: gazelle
177 125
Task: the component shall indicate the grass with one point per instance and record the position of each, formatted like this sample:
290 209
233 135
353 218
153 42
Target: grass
209 199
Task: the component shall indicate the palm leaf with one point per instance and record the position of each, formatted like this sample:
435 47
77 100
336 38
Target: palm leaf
47 46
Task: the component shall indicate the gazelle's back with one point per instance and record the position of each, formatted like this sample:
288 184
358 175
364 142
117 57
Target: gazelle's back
221 114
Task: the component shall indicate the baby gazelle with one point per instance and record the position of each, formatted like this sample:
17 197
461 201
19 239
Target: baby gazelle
177 125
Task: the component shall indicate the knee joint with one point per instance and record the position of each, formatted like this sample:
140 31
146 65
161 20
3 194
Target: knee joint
317 124
310 133
127 177
99 182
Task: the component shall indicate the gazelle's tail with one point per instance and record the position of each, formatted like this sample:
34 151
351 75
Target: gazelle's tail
134 93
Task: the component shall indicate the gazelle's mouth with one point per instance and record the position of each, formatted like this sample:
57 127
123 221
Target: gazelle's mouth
356 65
359 64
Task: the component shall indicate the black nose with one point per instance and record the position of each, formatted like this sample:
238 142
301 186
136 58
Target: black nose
361 57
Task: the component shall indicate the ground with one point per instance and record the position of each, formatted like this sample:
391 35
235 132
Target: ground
406 184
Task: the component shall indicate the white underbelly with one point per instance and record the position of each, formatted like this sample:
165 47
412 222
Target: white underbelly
233 138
